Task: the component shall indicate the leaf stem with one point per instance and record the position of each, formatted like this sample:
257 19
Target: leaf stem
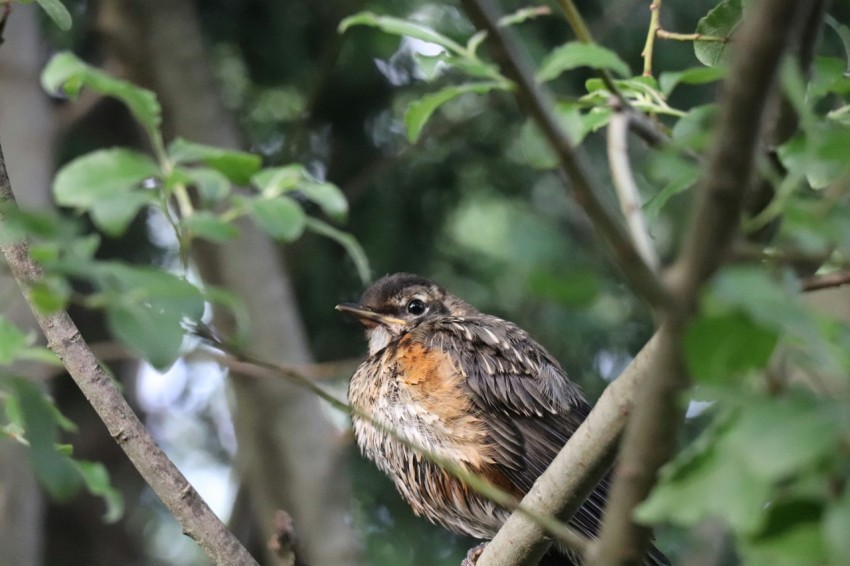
664 34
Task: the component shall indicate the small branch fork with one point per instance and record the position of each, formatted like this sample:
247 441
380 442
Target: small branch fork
656 31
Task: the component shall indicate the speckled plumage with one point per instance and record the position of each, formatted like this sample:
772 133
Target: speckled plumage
472 388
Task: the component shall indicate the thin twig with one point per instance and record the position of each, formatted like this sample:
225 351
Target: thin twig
664 34
826 281
651 34
626 188
195 517
650 438
512 61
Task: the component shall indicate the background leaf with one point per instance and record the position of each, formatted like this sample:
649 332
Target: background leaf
100 175
577 54
720 21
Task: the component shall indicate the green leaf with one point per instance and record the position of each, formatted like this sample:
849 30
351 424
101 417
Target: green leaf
577 54
67 74
100 175
281 217
791 537
347 241
154 334
719 348
204 224
776 438
694 129
396 26
821 154
238 166
536 150
679 174
146 308
274 181
329 198
113 214
13 342
721 21
57 12
668 81
710 478
96 478
212 185
53 469
420 111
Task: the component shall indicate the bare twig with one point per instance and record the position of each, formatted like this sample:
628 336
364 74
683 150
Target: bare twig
826 281
538 106
196 518
649 47
649 440
627 190
664 34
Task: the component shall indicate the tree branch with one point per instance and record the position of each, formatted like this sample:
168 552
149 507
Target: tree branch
63 338
650 438
627 190
539 108
826 281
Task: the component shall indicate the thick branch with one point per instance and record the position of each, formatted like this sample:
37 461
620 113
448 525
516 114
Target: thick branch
650 438
195 517
539 108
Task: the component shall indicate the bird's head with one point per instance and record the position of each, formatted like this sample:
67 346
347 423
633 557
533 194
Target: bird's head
395 304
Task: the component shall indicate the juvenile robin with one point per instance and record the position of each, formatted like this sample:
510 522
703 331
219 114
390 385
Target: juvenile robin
472 388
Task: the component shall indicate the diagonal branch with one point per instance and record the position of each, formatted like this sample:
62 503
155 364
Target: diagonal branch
650 438
195 517
539 108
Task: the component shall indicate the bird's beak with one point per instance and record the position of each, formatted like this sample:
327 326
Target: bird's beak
368 317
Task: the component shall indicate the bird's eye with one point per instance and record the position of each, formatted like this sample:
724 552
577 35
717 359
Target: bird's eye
416 307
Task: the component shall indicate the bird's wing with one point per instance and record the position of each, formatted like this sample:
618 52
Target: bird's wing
531 405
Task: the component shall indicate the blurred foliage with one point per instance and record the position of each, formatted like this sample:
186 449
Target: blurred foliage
403 126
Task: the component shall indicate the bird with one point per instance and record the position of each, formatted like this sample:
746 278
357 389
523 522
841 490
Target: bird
474 390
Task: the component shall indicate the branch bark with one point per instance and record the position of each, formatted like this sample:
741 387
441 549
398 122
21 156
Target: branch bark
650 438
63 338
